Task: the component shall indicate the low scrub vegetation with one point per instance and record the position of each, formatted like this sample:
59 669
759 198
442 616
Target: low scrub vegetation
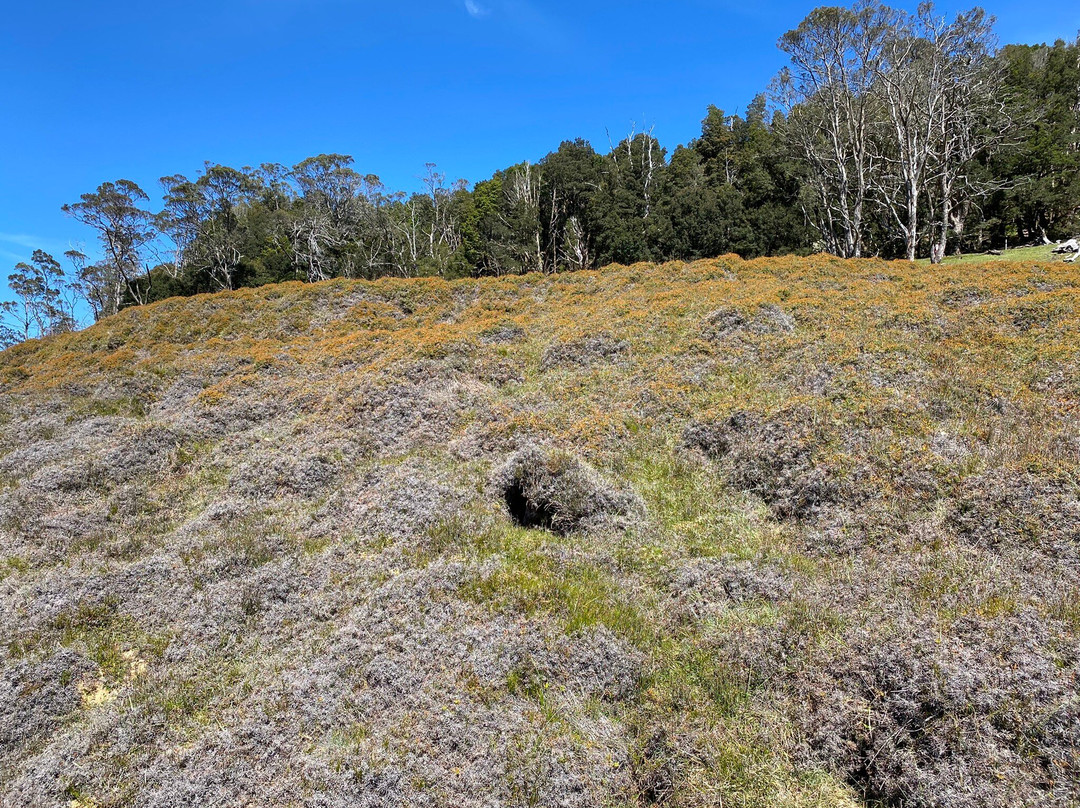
784 532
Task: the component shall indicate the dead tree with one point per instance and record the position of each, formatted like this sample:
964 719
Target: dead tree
971 117
827 94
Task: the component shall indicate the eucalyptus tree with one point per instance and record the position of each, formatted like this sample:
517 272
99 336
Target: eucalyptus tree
973 119
827 94
36 310
45 301
911 86
326 215
126 231
892 109
939 90
438 212
226 193
205 220
85 284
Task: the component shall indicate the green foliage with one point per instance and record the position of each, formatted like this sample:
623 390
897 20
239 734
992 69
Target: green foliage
746 185
44 301
1039 171
125 229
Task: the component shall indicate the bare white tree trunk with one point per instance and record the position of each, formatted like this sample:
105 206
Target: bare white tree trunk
971 116
575 245
523 193
827 93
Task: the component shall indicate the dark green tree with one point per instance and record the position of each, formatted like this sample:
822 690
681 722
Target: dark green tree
1040 168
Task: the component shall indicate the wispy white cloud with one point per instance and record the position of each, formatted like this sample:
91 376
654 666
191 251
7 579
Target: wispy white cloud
475 9
31 242
26 244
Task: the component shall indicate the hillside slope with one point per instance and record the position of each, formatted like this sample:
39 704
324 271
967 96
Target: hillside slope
794 532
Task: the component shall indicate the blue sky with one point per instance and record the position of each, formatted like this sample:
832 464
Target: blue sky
136 90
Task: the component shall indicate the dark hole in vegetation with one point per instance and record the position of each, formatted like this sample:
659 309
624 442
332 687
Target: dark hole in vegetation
526 513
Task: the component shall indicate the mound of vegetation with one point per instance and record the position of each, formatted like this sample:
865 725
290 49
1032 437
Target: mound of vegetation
558 492
784 532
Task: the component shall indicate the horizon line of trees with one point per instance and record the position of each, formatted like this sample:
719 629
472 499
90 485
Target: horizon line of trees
889 134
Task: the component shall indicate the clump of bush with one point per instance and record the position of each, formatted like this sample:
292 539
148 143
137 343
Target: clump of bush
987 716
1004 508
728 322
35 697
586 352
776 459
701 586
557 491
502 333
963 297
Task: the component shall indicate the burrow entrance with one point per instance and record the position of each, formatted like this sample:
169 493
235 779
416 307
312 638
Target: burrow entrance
526 513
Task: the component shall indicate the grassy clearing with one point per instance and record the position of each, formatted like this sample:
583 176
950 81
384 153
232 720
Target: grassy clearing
1042 253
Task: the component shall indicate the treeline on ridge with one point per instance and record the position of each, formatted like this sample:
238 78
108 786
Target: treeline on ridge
889 134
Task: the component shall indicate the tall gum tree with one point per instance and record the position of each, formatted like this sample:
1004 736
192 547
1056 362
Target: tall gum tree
891 110
125 230
827 95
